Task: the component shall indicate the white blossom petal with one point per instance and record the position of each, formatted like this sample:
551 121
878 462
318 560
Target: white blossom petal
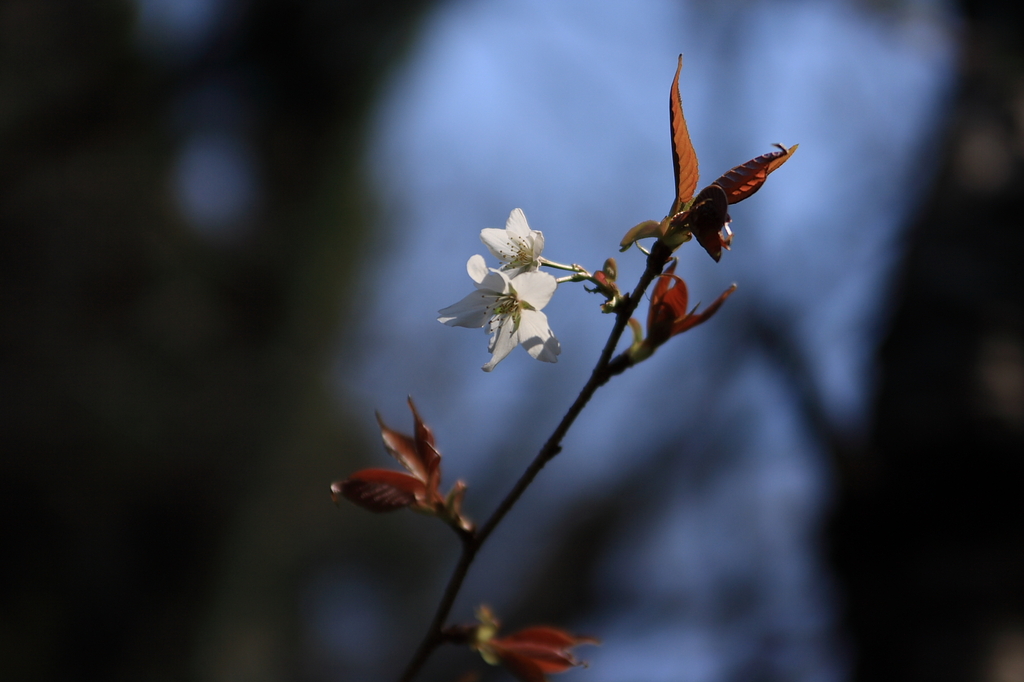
537 337
538 245
536 288
472 311
516 224
495 282
503 340
498 243
477 268
517 246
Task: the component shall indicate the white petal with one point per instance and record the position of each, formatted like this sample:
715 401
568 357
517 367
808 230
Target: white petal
495 282
536 288
538 243
502 343
517 225
532 239
472 311
477 268
498 243
537 337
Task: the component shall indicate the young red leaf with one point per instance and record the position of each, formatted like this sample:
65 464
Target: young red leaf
547 636
684 158
426 451
742 181
403 448
693 318
668 314
522 668
530 653
379 490
706 219
667 305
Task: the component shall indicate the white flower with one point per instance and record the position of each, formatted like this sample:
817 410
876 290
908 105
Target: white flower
517 246
510 307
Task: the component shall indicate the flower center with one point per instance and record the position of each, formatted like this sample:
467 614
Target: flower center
507 306
523 254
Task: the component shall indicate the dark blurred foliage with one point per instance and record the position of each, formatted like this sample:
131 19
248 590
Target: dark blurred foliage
153 380
928 536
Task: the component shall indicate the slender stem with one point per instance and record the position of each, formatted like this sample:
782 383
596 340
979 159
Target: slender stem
434 636
471 543
562 266
598 377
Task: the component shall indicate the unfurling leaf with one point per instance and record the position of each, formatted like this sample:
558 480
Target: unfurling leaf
528 654
404 449
669 314
707 218
610 269
742 181
684 158
424 440
379 490
648 228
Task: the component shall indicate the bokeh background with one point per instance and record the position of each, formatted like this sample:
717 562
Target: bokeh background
227 226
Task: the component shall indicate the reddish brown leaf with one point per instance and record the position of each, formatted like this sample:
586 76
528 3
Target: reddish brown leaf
675 297
547 636
403 448
706 219
546 647
693 318
742 181
684 158
668 314
667 305
522 668
380 490
426 451
529 653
